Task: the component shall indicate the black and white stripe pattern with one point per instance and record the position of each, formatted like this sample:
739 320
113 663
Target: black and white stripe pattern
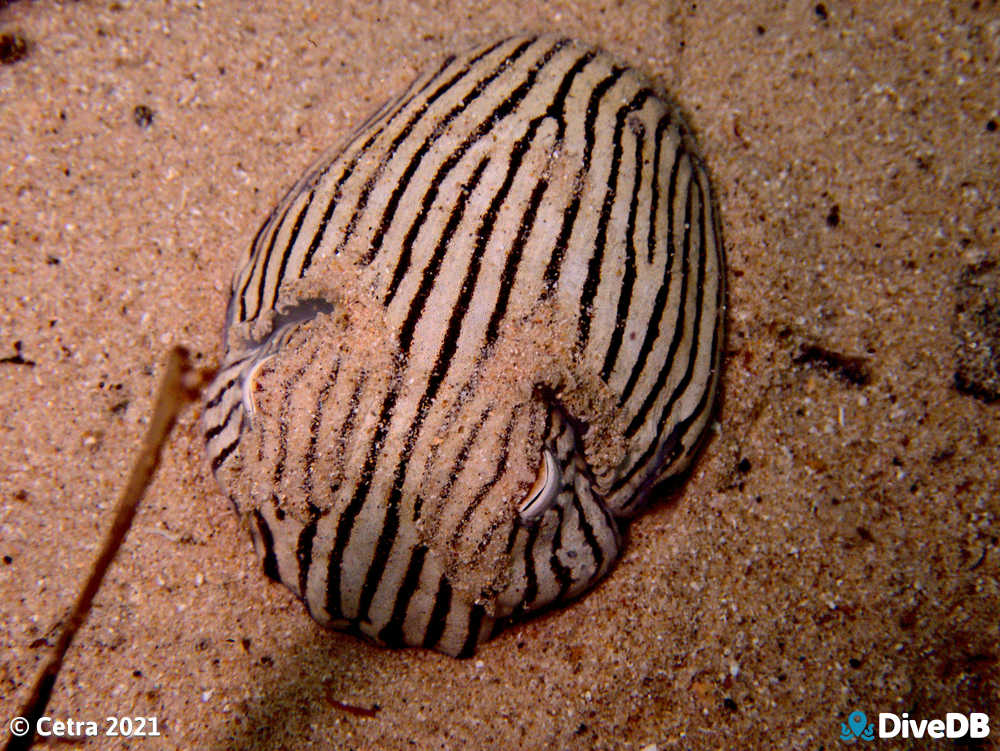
462 350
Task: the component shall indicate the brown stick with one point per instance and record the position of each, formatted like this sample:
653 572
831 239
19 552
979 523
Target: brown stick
179 385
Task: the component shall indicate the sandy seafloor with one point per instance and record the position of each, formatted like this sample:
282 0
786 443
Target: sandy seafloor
835 547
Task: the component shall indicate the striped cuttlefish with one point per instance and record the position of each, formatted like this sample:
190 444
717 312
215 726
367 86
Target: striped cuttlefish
464 347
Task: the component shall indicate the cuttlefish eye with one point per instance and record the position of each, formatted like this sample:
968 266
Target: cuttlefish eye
544 491
249 382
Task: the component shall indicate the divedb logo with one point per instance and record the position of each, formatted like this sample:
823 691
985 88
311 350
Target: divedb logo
954 725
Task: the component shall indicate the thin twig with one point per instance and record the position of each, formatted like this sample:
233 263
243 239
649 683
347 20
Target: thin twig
180 384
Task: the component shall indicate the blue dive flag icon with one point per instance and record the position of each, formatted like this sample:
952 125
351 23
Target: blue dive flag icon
857 726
